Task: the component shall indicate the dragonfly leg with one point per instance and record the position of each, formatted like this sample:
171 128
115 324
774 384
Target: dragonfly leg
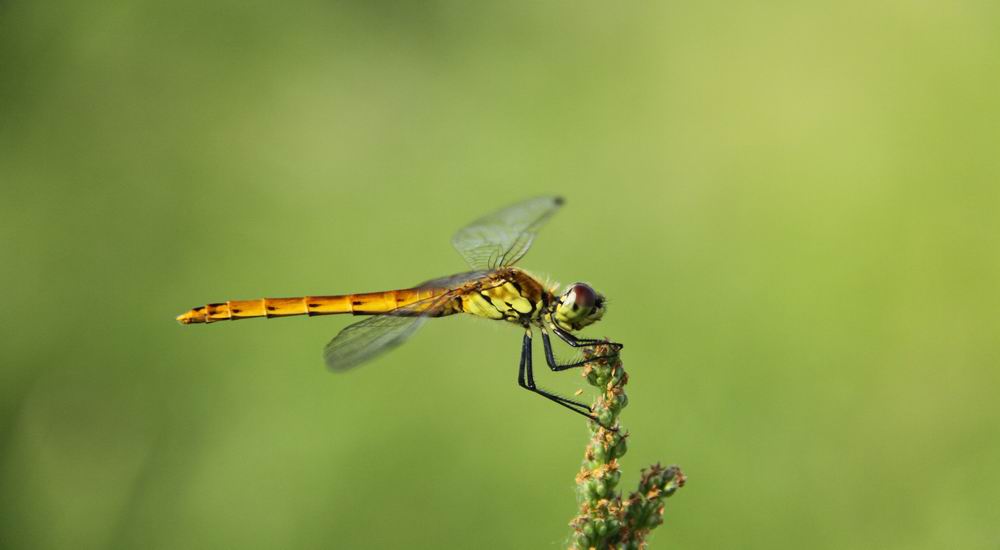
526 379
556 366
575 342
550 358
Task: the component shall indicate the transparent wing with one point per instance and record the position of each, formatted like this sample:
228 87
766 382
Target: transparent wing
452 281
502 238
363 340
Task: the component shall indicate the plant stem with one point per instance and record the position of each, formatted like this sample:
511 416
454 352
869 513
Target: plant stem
605 520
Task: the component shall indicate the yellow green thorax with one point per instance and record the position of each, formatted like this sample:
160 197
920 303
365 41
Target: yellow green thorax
503 302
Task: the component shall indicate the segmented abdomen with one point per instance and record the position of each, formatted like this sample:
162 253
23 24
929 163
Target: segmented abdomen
409 301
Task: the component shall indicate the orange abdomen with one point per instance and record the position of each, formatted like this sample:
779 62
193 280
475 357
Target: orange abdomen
370 303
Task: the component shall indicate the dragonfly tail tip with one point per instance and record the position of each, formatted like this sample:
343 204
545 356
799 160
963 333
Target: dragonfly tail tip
190 317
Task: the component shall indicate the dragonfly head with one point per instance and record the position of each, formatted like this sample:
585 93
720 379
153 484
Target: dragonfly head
579 307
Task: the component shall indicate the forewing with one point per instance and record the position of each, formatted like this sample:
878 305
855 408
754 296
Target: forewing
502 238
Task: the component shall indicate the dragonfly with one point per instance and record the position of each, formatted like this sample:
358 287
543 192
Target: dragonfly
494 289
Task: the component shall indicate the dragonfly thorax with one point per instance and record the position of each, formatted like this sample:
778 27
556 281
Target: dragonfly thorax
579 306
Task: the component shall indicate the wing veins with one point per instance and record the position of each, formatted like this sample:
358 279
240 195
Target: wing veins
365 339
501 239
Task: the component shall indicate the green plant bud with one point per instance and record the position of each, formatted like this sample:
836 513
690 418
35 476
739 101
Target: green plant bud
651 518
606 417
616 375
621 447
600 455
622 401
614 477
614 525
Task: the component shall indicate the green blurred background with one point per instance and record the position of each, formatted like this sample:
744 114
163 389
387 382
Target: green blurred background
793 208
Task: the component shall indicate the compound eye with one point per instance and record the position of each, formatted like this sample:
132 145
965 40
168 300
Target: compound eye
583 296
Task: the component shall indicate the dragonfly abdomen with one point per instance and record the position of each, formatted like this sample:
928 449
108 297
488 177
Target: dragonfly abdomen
371 303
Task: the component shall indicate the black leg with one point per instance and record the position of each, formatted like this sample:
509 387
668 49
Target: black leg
575 342
581 342
550 358
526 379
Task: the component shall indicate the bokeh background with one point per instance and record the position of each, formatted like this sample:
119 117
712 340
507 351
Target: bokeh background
793 208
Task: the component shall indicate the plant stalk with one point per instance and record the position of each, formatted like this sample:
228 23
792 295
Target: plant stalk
605 520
